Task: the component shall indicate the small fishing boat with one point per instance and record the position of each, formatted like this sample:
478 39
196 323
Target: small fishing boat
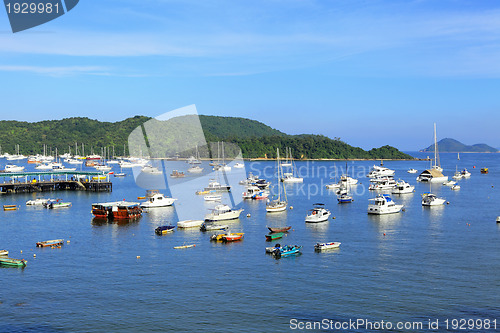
189 224
274 235
37 202
9 207
177 174
217 237
286 251
326 246
13 262
212 227
279 229
185 246
4 253
271 249
50 243
232 237
498 219
162 230
484 170
318 214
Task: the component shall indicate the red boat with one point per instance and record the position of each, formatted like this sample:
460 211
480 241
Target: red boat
285 229
117 210
232 237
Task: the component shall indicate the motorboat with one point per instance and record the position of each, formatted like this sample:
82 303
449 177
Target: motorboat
403 187
212 227
251 179
332 186
412 171
318 214
221 167
239 166
288 177
458 175
286 251
274 236
254 192
383 204
53 204
380 171
213 197
214 185
429 199
385 183
449 183
37 202
13 168
326 246
102 167
185 246
195 169
223 212
232 237
151 170
177 174
156 199
455 187
189 224
465 173
162 230
347 181
276 206
4 253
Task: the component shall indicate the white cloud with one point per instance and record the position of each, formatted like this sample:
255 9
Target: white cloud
56 71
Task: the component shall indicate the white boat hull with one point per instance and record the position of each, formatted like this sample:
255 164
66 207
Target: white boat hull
316 219
233 214
190 224
381 210
163 203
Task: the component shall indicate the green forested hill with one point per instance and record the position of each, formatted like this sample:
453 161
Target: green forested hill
254 138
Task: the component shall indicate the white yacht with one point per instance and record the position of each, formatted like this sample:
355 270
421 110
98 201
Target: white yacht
383 204
223 212
412 171
288 177
347 181
429 199
254 192
13 168
318 214
458 175
332 186
195 169
189 224
37 202
155 199
380 171
449 183
465 173
151 170
403 187
385 183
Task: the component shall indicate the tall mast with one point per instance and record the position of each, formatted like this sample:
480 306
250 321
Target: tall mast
436 155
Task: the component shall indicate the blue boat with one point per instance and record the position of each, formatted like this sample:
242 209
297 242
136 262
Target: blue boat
164 229
286 251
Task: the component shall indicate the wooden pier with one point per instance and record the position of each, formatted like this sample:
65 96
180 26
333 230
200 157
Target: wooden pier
27 182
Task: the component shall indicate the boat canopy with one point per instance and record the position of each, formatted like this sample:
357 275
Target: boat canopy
432 173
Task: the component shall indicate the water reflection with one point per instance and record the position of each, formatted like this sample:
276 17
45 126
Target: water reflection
318 228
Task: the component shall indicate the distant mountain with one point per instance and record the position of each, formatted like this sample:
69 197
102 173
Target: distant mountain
448 145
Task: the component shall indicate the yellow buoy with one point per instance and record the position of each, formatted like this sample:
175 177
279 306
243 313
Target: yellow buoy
67 241
138 257
291 207
34 255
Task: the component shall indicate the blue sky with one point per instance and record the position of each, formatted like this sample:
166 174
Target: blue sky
369 72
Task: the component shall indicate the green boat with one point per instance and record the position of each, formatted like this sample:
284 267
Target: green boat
274 235
13 262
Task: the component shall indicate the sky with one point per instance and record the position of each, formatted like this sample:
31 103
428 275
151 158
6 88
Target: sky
370 72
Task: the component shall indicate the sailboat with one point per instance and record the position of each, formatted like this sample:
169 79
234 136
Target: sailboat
221 166
288 159
434 174
345 183
278 205
291 177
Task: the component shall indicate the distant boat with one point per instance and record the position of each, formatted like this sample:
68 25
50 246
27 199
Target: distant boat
286 251
212 227
156 199
274 236
53 204
278 205
326 246
403 187
279 229
213 197
120 174
195 169
117 210
189 224
455 187
379 171
484 170
223 212
37 202
177 174
232 237
162 230
4 253
185 246
50 243
412 171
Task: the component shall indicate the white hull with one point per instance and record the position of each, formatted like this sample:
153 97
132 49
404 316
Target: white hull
293 180
189 224
231 215
36 202
316 218
165 202
378 210
327 246
433 179
212 197
435 202
274 208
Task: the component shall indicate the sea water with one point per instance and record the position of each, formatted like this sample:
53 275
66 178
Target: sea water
418 266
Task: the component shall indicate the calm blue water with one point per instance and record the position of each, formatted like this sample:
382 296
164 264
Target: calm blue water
418 265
